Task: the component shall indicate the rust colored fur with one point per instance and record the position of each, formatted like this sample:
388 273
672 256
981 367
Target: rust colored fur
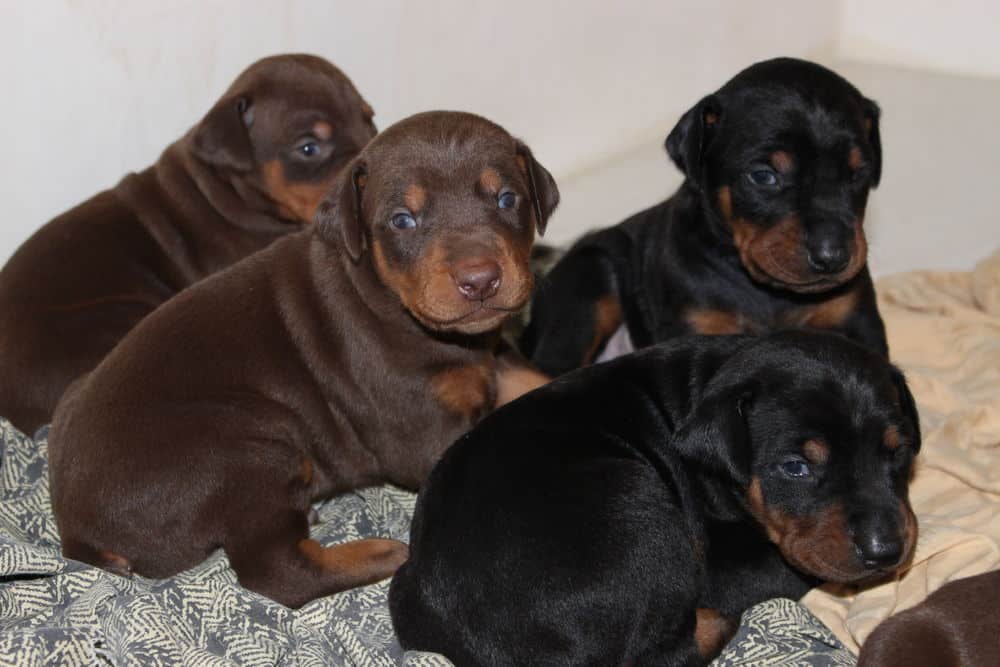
956 626
229 187
302 372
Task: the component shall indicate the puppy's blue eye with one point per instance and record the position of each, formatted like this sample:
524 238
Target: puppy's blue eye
796 468
507 200
310 149
763 177
404 221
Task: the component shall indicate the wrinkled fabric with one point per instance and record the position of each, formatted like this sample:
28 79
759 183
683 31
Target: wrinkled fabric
944 332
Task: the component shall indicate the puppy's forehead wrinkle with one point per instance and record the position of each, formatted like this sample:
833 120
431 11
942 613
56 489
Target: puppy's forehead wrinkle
443 135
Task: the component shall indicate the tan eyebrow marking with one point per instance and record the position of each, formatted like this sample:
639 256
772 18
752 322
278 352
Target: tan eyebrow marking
323 130
490 180
415 197
816 451
782 160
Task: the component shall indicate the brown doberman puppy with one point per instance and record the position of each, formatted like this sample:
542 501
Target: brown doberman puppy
347 355
956 626
250 172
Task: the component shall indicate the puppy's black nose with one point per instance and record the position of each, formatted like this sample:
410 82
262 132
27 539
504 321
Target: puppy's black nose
880 550
828 257
477 280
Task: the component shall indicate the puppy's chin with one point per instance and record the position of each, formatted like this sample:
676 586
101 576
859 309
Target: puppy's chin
804 282
478 320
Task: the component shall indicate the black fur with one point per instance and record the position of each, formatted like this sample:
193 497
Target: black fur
586 522
819 138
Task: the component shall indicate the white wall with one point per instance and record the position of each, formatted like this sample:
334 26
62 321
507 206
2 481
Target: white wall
94 89
958 36
99 88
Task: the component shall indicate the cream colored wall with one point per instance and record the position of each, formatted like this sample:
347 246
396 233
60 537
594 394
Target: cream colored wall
94 89
957 37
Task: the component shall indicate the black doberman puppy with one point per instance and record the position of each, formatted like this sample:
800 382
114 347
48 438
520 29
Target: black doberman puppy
765 232
629 512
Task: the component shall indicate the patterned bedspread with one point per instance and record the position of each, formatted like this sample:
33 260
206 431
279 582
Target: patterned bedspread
55 611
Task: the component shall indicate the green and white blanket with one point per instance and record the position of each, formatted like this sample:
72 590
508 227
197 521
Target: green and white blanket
55 611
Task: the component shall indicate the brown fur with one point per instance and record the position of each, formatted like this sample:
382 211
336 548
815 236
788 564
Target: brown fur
956 626
490 180
466 390
607 318
828 314
296 201
818 543
816 451
415 197
220 193
302 372
854 158
891 438
714 322
360 562
711 631
782 161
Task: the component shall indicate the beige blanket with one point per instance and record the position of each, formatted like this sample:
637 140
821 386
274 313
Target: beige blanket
944 332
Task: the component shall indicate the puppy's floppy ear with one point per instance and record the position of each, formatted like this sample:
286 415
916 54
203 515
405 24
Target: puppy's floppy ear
687 142
715 437
907 404
223 135
340 212
544 193
872 113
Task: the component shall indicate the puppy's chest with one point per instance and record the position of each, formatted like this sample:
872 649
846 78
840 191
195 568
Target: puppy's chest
465 390
758 316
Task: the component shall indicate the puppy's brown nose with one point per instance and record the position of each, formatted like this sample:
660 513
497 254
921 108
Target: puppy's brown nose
477 280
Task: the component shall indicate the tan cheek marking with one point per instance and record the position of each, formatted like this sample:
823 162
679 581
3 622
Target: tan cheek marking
816 451
711 632
782 161
759 510
711 118
714 322
891 438
818 544
307 470
854 158
389 276
465 390
490 180
725 198
362 561
295 200
607 318
415 197
433 288
515 266
323 130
